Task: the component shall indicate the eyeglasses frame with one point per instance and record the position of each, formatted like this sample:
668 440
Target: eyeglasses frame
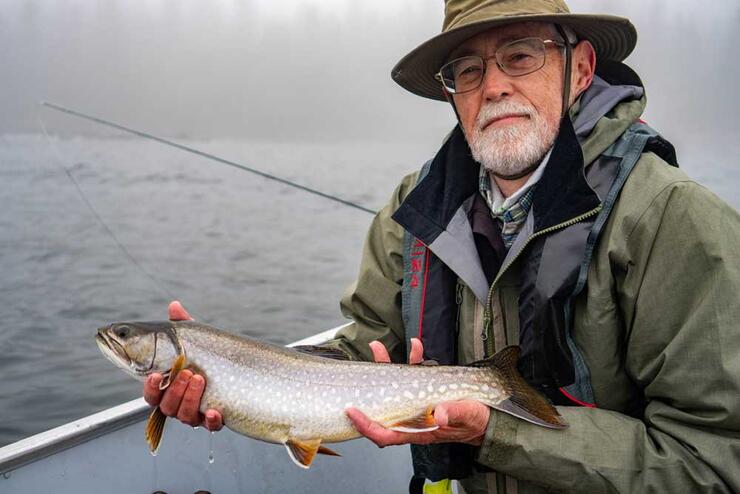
485 60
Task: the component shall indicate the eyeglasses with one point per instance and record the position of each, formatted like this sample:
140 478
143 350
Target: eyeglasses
518 58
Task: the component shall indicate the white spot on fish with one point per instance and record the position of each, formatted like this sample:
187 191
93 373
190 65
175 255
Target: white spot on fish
422 394
453 386
407 394
442 389
430 388
395 385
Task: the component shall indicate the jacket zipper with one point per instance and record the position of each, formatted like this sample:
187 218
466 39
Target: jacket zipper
487 317
458 301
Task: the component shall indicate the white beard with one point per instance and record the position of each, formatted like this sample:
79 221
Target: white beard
512 150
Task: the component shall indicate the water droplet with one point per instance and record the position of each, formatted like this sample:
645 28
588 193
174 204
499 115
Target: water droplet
211 458
153 453
196 427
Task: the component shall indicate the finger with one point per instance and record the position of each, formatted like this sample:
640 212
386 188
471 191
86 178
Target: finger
152 393
188 412
380 435
466 413
367 427
173 395
380 354
177 312
213 420
416 355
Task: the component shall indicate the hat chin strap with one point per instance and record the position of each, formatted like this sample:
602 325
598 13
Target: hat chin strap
568 64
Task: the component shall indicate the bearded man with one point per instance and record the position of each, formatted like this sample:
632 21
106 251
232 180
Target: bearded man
551 218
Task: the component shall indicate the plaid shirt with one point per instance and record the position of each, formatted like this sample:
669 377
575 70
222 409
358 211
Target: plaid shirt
511 214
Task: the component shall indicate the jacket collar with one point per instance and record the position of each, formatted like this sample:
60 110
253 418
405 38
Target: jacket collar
562 192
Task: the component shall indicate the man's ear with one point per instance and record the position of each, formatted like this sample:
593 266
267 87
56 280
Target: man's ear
584 66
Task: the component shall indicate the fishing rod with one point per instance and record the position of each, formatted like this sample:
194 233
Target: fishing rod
210 156
127 253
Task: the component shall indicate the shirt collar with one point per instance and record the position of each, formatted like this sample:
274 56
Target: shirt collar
493 196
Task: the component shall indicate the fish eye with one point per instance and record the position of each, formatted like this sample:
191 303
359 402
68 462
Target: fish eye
122 331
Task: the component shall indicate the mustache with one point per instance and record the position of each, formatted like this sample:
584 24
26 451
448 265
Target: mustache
492 111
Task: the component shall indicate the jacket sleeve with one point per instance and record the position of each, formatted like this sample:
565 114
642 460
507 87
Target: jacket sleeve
678 297
373 301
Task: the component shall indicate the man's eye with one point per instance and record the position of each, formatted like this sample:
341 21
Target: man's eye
468 71
519 57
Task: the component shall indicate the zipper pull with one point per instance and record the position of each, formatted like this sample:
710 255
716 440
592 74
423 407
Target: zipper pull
486 327
458 293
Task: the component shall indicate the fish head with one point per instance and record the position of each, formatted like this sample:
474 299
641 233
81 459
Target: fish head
139 348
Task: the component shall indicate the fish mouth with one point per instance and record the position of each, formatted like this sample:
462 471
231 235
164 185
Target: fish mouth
113 350
117 354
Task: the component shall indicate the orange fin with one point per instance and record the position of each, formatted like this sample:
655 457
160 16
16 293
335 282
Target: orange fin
303 452
155 424
421 423
168 376
154 429
323 450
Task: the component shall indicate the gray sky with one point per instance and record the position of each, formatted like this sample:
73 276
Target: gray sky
312 69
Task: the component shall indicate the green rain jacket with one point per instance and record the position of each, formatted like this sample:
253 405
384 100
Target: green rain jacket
656 325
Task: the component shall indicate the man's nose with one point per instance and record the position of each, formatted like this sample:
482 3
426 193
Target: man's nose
496 84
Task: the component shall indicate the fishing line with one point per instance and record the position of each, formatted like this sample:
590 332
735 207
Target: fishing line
60 162
206 155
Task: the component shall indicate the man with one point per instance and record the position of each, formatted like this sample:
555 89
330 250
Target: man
554 219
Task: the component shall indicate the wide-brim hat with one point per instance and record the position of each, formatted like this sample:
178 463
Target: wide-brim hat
613 37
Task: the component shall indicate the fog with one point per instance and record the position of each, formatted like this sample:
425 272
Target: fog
314 69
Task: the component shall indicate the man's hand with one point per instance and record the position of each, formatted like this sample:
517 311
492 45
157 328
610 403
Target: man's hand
459 421
182 398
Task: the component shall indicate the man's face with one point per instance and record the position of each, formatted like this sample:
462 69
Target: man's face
511 122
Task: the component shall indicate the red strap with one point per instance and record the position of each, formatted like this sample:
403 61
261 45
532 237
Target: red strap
576 400
424 292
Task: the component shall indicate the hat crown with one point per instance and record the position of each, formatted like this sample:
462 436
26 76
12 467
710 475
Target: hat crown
459 13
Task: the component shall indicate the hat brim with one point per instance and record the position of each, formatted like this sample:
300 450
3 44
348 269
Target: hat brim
613 38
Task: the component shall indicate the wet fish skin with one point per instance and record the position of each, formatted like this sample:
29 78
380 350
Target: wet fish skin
279 395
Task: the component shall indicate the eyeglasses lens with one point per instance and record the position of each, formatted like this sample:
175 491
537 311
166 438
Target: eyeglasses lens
517 58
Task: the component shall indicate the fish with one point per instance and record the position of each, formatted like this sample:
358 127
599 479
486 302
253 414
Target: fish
297 398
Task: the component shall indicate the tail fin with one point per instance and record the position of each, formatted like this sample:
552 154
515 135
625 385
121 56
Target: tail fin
524 401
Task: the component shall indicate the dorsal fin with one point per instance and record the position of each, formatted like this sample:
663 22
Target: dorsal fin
504 359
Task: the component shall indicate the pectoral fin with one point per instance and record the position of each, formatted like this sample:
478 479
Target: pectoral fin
421 423
168 376
155 424
154 429
303 452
